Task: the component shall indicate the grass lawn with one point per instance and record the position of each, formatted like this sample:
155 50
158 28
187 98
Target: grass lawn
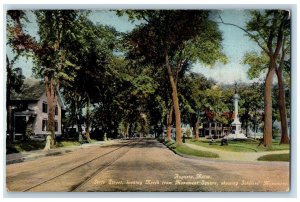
275 157
37 145
25 146
239 146
68 143
183 149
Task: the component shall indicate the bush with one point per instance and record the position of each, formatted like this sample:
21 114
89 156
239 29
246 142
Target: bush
188 133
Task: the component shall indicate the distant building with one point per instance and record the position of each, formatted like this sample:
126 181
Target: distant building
29 110
214 129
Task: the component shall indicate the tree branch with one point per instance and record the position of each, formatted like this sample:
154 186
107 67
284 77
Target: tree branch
247 32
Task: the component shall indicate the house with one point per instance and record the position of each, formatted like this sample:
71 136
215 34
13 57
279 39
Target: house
211 128
29 110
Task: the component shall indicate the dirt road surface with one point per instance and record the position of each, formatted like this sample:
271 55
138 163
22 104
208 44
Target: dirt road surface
143 165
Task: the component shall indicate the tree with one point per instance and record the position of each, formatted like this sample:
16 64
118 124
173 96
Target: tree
192 91
14 82
92 51
258 63
14 76
281 91
250 104
56 28
173 39
267 29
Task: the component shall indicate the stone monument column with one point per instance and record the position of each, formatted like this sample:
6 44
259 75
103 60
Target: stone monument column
236 124
236 121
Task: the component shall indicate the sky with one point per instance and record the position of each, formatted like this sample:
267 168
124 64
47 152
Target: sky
235 45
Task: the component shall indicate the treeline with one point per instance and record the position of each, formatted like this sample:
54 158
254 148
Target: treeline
141 80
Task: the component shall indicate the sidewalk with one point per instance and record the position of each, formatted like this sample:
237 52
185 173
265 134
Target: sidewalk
236 156
32 155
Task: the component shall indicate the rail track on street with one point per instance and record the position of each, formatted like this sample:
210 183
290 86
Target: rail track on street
128 146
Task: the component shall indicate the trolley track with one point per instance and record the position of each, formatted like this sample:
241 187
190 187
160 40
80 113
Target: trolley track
75 187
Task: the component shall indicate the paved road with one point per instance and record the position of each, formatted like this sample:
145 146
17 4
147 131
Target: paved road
142 165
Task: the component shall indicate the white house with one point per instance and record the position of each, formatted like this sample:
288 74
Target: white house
30 110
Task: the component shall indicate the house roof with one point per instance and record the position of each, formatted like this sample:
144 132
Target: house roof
32 89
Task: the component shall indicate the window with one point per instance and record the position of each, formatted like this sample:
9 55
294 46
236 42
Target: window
56 126
45 107
56 110
45 125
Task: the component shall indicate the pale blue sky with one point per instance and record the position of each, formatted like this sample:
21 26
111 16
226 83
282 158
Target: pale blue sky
235 44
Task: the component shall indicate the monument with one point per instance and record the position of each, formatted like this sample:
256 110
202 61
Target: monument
236 132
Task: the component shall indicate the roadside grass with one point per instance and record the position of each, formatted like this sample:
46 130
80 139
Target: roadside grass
67 143
275 157
239 145
24 146
38 145
183 149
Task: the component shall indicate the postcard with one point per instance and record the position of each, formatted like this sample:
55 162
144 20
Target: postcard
148 100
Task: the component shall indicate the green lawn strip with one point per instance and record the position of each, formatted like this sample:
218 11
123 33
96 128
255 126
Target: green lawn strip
37 145
68 143
275 157
239 146
183 149
25 146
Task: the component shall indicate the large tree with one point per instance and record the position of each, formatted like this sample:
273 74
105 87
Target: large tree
172 39
92 52
14 75
267 28
51 58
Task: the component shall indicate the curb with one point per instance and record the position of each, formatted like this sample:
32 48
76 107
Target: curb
174 151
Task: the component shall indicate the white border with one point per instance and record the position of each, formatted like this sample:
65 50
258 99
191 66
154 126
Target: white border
92 4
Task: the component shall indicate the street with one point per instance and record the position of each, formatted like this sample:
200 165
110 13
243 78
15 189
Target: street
142 165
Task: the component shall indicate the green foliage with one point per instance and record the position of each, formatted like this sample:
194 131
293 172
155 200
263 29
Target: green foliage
192 88
188 132
29 131
275 157
16 79
185 35
25 146
214 102
251 103
51 57
257 63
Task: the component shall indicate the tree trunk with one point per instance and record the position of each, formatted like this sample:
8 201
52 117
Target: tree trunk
196 128
175 102
216 131
247 115
52 96
130 129
282 107
51 122
127 130
268 106
88 123
169 123
8 104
